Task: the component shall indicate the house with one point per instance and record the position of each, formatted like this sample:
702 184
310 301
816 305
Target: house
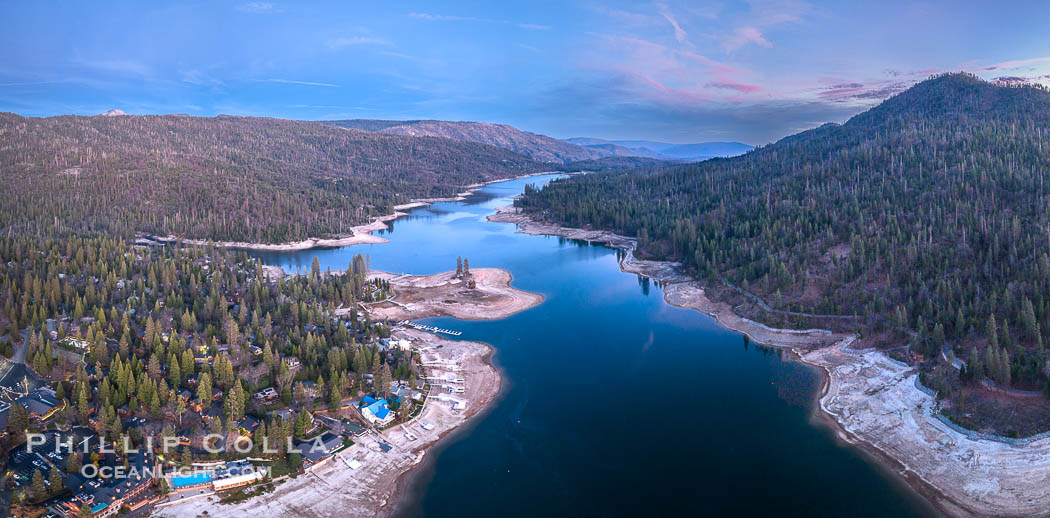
266 394
41 404
248 425
320 448
406 393
309 388
223 484
376 411
292 361
77 343
354 429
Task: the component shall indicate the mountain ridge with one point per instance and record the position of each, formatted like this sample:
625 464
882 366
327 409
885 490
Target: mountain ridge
925 215
226 178
668 151
532 145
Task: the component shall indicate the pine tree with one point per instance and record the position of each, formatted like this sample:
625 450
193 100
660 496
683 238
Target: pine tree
55 478
992 331
38 489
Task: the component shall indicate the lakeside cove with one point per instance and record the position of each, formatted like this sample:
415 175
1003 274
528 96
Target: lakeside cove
606 362
873 401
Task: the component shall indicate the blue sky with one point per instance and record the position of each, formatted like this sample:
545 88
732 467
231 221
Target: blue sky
751 71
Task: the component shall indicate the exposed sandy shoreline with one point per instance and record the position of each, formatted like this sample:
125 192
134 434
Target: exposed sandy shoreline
361 234
873 401
332 489
442 294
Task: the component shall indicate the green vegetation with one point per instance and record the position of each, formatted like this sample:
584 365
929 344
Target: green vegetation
224 178
205 322
927 215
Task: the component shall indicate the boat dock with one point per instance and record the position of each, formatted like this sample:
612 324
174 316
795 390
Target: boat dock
430 329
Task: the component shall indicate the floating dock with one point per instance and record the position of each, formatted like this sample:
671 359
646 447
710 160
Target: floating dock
430 329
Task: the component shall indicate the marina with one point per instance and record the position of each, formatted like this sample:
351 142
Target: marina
430 329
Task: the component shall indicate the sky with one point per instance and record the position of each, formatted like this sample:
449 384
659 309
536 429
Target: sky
676 71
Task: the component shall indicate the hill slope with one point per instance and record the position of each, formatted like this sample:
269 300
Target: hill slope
928 212
536 147
223 178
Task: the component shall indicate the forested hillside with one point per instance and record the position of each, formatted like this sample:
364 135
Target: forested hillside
223 178
537 147
930 210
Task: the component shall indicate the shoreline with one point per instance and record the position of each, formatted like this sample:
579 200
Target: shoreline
871 402
332 488
377 487
443 295
361 234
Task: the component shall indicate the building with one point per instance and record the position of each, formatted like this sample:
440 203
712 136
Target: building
266 394
376 411
354 429
309 388
236 481
248 425
41 404
317 450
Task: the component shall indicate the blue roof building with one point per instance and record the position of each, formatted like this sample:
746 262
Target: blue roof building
375 410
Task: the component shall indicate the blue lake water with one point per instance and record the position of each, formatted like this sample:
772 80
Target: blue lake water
616 403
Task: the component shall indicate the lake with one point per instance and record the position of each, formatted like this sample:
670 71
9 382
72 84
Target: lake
616 403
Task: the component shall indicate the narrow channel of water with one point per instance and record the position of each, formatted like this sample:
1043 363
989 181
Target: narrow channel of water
615 402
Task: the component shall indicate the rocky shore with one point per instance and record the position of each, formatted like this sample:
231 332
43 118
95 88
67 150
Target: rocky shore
873 401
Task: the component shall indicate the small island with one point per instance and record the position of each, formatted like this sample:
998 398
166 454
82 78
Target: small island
479 294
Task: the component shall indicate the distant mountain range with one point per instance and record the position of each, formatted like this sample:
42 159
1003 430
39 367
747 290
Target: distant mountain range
537 147
543 148
664 150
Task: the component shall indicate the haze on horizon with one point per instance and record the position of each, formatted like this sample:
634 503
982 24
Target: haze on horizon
748 71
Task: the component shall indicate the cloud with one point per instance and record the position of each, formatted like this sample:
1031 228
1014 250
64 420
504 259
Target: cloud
34 83
258 8
629 17
679 32
1019 81
453 18
116 65
612 107
732 85
349 41
196 77
1012 65
762 16
743 36
296 82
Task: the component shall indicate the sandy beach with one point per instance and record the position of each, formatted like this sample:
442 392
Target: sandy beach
442 294
360 235
873 401
333 489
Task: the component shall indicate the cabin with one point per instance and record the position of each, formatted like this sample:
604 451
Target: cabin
316 450
248 425
266 394
375 411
